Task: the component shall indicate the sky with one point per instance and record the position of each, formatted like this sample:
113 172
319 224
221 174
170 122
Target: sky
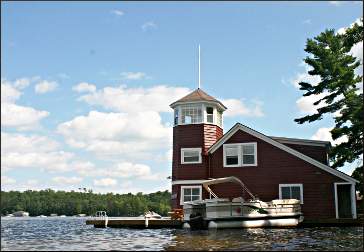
86 86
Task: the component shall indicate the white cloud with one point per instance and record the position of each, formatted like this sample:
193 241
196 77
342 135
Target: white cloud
239 108
133 75
84 168
39 152
20 117
324 134
343 29
5 180
134 135
132 100
84 87
22 83
305 77
117 12
45 86
67 180
8 92
305 103
118 170
16 116
149 25
47 161
105 182
14 142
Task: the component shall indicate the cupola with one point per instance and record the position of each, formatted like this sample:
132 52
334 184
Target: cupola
198 108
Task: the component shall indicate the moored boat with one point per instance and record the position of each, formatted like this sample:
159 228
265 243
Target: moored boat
238 213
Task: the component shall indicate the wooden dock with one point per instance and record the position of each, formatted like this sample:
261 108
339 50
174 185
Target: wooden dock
134 222
166 222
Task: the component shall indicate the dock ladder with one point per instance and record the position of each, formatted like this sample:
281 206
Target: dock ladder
101 215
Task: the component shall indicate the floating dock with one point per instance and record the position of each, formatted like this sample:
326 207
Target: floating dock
134 222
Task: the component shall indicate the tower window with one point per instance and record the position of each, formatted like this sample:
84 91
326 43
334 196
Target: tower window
210 114
176 116
219 118
191 114
191 155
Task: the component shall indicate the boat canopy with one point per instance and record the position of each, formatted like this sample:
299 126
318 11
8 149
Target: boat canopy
230 179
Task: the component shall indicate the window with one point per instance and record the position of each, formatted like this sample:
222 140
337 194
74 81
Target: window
210 114
191 114
248 154
190 193
240 154
176 116
219 118
190 155
291 191
232 155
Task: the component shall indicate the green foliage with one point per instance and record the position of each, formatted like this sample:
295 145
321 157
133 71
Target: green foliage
71 203
331 60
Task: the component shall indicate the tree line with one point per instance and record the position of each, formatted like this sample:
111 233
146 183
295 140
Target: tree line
46 202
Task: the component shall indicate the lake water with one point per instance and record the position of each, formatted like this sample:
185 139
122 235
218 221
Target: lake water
71 233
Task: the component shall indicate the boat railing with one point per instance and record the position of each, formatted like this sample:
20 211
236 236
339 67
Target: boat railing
101 215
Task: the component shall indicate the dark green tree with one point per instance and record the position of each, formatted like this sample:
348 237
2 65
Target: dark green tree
71 203
331 60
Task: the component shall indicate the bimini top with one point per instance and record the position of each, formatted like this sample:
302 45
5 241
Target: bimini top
197 96
230 179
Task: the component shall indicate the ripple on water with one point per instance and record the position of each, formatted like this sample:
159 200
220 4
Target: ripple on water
72 234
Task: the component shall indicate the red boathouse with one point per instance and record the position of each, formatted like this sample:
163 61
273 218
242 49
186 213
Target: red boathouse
271 167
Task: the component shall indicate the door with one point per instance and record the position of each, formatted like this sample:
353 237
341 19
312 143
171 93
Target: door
344 201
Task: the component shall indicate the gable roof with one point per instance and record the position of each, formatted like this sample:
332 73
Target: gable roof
239 126
196 96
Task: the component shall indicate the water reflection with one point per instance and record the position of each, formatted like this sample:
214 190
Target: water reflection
73 234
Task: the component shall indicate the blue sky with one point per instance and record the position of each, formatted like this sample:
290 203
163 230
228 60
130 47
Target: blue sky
86 85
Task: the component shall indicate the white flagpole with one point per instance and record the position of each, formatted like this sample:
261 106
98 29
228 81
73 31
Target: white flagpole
199 67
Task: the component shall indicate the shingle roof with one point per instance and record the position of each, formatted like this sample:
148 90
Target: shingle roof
197 95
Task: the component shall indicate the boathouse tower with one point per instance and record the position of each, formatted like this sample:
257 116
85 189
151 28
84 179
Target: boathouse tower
198 124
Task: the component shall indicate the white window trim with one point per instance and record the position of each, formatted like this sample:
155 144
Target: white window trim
290 185
240 154
353 199
191 149
188 187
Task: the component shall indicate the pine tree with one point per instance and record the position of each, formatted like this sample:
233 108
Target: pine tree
331 60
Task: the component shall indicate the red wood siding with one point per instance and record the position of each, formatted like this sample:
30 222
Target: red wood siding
316 152
187 136
275 167
212 133
192 136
